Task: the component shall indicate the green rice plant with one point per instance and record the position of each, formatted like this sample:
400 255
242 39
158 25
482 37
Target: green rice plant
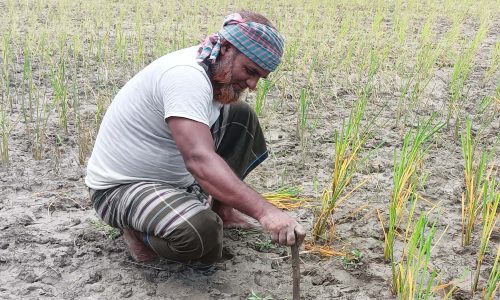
417 78
402 21
121 42
84 133
349 142
414 278
290 54
450 39
5 131
6 61
462 68
491 198
303 114
102 102
27 106
493 279
475 174
263 88
495 61
346 61
426 60
59 84
406 178
139 56
43 110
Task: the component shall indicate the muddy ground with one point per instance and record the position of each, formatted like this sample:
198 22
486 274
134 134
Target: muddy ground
53 246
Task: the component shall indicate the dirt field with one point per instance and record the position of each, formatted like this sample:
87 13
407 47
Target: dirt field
53 246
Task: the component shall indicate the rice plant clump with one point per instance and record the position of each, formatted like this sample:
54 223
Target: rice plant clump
414 278
491 200
348 145
475 175
493 279
406 178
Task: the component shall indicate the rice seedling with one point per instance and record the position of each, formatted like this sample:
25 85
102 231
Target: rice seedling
139 56
406 178
43 109
290 54
491 199
84 133
495 62
462 68
475 174
5 130
414 85
121 42
27 106
263 88
303 114
59 85
493 279
6 61
102 102
348 145
414 277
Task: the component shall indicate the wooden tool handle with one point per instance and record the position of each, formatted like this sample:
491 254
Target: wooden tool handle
296 272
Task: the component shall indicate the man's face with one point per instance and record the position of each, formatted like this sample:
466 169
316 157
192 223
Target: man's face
233 74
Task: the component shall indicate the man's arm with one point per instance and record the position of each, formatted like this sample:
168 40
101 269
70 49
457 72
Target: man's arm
195 143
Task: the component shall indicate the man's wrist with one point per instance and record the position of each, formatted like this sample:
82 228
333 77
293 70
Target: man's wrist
265 209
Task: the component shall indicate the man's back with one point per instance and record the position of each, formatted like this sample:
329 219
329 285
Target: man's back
134 142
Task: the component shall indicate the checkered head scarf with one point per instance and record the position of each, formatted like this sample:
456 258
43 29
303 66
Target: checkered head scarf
261 43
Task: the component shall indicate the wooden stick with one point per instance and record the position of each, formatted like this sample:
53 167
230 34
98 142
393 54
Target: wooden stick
296 272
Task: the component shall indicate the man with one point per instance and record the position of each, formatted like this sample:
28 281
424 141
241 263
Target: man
177 132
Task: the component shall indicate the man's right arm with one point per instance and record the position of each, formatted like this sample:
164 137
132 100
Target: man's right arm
195 143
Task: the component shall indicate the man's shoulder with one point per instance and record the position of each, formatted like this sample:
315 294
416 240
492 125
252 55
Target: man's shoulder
182 57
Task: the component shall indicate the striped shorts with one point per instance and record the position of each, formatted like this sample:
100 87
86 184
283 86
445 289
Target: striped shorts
177 223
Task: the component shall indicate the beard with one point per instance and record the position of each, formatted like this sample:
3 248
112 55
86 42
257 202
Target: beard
224 91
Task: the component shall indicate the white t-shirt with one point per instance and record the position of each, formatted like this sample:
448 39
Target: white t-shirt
134 142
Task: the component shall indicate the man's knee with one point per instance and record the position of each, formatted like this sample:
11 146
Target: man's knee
212 236
200 237
208 226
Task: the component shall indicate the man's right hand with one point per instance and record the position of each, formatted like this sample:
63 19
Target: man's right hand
284 229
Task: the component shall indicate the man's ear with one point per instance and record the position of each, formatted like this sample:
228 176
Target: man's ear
225 46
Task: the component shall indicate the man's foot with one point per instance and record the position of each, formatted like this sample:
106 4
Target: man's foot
233 218
136 247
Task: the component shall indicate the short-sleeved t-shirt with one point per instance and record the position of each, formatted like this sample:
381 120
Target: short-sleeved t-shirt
134 142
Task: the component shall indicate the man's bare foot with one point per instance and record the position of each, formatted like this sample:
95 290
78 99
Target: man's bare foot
233 218
136 247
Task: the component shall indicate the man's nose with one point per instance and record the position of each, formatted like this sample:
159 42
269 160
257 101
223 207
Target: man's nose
252 82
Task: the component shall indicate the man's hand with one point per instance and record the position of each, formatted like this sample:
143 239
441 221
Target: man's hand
283 228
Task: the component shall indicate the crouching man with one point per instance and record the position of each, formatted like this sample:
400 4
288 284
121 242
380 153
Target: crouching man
176 133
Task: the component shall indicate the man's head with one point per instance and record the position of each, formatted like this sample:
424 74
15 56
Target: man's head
247 48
